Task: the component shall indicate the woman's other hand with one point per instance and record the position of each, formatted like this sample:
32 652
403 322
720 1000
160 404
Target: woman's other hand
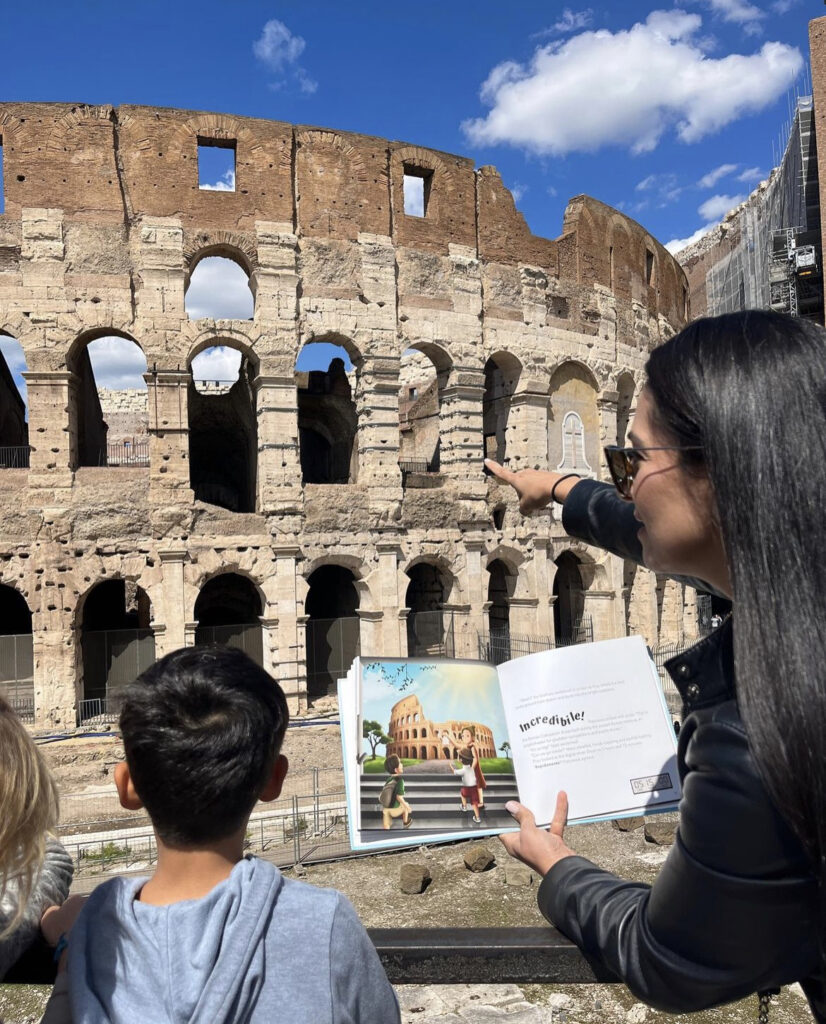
56 921
539 848
533 486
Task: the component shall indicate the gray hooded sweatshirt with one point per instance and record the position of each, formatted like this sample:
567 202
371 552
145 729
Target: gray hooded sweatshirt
258 949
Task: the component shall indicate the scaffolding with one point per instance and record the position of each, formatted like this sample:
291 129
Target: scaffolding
794 275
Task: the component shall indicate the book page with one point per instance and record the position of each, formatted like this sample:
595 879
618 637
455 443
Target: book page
591 720
444 722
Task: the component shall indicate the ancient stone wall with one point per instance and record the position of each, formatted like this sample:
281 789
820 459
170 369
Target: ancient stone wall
104 224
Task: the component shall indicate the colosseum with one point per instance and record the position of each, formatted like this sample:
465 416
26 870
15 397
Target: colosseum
413 734
302 515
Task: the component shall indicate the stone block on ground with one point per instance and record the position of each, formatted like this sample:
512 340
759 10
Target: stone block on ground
660 833
628 824
479 858
413 878
518 874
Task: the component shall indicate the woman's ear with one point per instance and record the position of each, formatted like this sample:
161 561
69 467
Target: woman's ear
272 787
127 794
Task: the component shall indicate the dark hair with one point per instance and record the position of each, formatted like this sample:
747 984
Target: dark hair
750 388
201 731
465 756
391 763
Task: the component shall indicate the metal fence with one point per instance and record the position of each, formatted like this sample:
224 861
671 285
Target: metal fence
125 453
431 634
661 654
112 658
15 456
310 824
331 646
246 636
501 645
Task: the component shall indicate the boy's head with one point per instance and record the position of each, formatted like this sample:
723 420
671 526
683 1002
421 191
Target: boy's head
465 756
202 730
392 765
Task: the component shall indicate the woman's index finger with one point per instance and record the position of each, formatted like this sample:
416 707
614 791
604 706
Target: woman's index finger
499 471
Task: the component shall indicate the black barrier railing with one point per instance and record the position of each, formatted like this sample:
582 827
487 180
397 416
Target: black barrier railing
439 956
484 956
14 457
124 454
501 645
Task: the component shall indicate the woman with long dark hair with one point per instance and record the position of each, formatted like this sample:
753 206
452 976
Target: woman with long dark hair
725 483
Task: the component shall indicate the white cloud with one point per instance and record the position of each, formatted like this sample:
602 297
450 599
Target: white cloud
219 289
117 363
573 21
677 244
646 183
218 363
518 191
717 207
627 88
752 174
661 190
784 6
226 183
551 191
741 12
278 50
723 171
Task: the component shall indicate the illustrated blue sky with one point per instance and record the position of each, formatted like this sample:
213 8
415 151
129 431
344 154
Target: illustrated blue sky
671 112
446 691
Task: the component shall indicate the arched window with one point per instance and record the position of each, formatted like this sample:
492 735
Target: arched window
426 623
332 631
228 611
116 642
501 378
223 429
109 412
16 653
327 417
219 288
573 446
14 425
569 604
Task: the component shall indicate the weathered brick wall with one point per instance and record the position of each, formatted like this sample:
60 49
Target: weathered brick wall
104 223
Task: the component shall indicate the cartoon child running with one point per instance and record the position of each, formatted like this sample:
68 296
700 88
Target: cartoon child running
468 776
467 739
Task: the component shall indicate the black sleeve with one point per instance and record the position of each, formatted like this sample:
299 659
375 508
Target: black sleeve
733 910
595 513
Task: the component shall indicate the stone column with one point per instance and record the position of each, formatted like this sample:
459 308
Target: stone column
56 660
279 464
527 434
370 633
290 662
377 409
475 586
174 602
269 643
52 430
607 412
189 633
543 574
460 433
600 606
394 630
157 244
167 408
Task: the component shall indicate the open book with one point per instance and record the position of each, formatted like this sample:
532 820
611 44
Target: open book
434 749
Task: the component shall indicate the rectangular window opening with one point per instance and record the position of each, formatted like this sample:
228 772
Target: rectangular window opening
649 267
216 165
416 191
413 393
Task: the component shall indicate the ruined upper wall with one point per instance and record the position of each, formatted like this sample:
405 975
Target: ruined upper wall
107 167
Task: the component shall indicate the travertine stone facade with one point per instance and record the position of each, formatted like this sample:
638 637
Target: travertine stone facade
104 223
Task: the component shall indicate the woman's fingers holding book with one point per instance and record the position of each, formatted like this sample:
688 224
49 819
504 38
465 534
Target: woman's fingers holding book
537 847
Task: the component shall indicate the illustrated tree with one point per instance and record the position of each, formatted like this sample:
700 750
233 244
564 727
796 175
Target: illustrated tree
506 748
374 734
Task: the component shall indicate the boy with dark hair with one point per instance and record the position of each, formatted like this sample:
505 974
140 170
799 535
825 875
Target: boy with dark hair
214 936
399 808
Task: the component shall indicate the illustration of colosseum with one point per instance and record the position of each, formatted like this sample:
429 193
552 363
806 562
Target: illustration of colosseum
303 515
414 735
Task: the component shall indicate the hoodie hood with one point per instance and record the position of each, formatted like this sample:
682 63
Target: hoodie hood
195 962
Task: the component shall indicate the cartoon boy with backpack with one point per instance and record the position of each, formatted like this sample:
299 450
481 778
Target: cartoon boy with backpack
391 798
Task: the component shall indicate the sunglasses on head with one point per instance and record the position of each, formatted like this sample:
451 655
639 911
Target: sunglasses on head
623 463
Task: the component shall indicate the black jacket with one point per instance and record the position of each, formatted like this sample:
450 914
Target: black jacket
734 908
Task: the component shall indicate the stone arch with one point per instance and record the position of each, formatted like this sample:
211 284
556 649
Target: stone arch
228 610
569 594
116 642
354 353
422 408
90 443
333 628
429 585
229 337
574 427
502 372
14 426
230 245
234 567
16 648
223 430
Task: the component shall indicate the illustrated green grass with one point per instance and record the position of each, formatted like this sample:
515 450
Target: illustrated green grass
490 765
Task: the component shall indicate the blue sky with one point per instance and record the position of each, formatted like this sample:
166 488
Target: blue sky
667 111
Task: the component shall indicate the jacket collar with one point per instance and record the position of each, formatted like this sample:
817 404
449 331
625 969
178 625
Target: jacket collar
704 674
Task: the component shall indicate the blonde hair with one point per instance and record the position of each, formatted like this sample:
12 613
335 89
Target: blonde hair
28 810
